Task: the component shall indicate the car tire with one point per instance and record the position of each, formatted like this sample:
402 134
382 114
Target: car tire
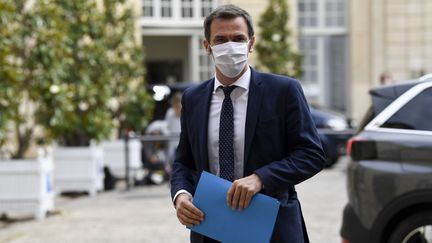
410 229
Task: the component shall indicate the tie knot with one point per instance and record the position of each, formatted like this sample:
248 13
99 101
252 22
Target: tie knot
228 89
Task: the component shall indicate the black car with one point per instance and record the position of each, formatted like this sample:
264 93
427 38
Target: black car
334 130
389 176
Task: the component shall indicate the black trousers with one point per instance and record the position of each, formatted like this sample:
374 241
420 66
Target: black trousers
198 238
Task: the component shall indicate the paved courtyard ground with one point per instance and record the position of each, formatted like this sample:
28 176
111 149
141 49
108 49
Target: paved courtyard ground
145 215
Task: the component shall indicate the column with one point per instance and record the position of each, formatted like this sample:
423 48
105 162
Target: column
194 58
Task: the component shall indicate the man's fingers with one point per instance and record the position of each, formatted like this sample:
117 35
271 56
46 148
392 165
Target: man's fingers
189 222
195 210
187 213
242 199
230 195
236 197
248 198
186 221
241 191
190 213
190 208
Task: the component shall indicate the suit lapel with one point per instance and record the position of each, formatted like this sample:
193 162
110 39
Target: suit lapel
253 107
202 123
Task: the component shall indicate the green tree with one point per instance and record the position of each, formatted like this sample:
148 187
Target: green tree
275 52
70 68
131 105
76 89
99 68
6 11
18 68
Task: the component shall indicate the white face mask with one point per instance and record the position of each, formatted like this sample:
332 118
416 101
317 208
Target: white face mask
230 57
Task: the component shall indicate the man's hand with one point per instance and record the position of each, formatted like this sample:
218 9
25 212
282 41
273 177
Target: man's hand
187 213
242 190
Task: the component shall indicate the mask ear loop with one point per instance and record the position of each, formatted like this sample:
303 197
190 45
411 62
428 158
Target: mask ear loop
209 52
250 48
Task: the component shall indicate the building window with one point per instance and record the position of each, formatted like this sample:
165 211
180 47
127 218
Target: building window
206 7
322 13
309 50
323 43
308 13
166 8
177 9
335 13
206 69
187 8
147 6
335 69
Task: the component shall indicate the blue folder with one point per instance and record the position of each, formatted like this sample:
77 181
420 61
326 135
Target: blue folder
254 224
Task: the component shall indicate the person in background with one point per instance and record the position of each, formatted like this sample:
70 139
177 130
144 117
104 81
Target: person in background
154 155
172 119
386 78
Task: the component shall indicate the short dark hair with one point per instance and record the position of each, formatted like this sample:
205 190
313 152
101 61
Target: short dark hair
228 11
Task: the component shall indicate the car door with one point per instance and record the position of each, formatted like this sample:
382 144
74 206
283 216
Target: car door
407 123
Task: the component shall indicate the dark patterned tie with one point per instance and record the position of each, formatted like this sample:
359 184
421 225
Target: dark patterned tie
226 136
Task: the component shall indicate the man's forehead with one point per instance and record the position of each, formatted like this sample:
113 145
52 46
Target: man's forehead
232 34
233 26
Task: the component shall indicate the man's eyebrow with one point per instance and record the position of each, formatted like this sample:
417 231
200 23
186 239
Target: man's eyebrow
220 37
240 36
236 36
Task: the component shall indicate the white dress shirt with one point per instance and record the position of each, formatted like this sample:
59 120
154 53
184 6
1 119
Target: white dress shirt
239 97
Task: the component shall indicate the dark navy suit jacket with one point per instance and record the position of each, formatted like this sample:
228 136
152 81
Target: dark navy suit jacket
281 146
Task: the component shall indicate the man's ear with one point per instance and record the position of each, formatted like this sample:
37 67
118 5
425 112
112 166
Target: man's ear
206 46
252 44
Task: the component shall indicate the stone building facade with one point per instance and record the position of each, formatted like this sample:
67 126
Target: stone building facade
348 46
390 41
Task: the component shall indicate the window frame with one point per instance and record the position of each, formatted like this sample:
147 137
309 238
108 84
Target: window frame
307 15
187 5
316 18
150 5
335 14
210 5
166 5
309 48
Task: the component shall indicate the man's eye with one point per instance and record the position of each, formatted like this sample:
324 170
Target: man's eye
240 40
220 41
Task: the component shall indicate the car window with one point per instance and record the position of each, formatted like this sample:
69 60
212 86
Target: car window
416 114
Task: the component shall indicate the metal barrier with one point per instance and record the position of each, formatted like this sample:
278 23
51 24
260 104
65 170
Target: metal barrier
143 138
167 138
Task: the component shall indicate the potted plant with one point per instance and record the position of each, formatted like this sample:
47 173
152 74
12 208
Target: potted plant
131 105
25 177
131 115
97 75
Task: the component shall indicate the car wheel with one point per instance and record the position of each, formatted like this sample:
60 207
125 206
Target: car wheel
331 161
416 228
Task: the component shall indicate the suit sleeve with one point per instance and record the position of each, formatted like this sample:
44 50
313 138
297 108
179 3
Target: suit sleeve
305 156
184 172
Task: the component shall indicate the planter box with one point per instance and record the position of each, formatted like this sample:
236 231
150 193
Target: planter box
115 157
26 186
78 169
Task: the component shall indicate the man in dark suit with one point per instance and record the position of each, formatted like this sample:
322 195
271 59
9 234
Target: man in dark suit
252 128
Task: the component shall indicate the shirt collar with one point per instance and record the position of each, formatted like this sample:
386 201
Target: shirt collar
242 82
